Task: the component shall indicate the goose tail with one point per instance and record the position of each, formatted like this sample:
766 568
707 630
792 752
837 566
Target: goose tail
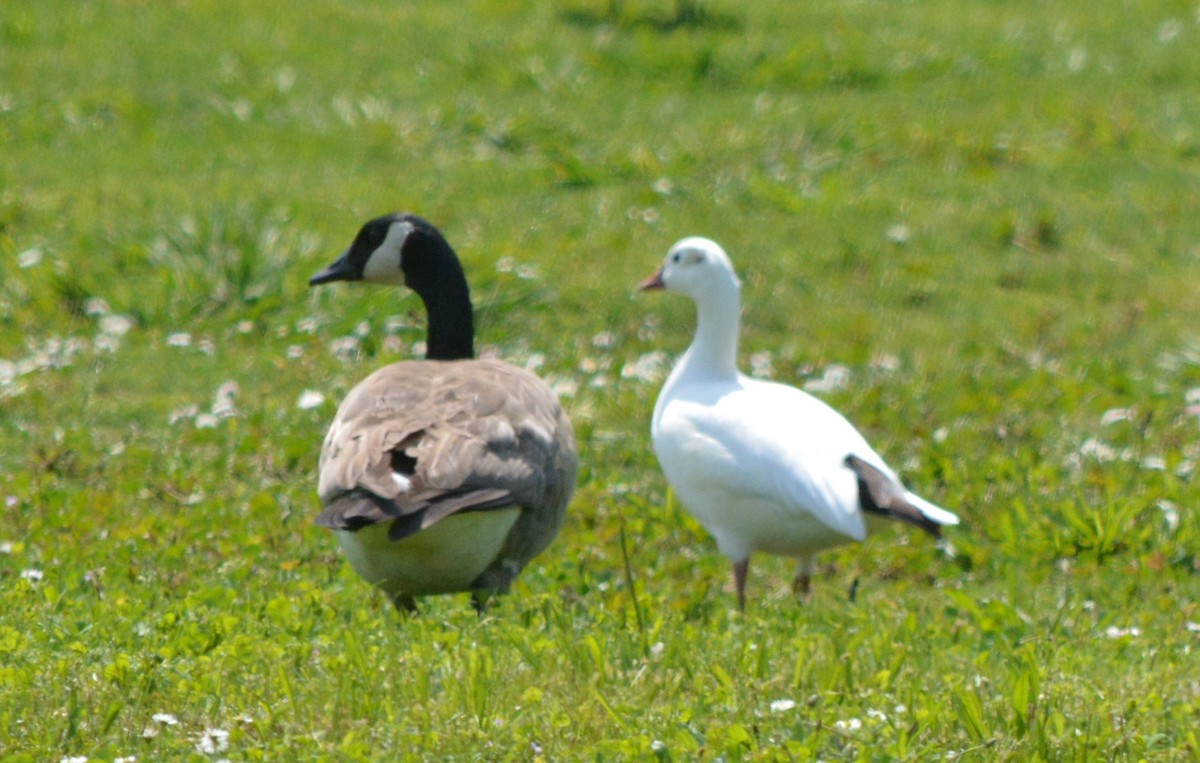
932 512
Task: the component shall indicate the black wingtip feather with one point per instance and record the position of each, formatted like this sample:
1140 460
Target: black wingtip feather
880 494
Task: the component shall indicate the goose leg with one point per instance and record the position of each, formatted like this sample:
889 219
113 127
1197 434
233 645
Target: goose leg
740 569
802 583
479 600
405 605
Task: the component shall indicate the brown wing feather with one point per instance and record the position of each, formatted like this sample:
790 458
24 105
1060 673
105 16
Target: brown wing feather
477 428
359 509
878 493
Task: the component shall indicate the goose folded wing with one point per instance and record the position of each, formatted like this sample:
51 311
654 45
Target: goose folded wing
756 451
408 514
419 441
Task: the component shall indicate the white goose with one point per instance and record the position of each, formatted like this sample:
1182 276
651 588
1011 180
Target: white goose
762 466
446 474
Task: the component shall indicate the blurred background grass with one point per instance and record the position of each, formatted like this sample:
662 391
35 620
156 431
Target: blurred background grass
980 216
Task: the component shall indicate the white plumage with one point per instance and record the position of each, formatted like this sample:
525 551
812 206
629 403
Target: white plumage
762 466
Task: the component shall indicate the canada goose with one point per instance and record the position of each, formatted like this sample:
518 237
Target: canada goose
446 474
762 466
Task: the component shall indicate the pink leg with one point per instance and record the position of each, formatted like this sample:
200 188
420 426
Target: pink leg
801 585
803 580
739 579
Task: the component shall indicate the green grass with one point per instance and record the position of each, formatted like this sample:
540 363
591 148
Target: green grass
985 211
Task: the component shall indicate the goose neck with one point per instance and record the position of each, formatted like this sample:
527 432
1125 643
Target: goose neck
714 350
451 331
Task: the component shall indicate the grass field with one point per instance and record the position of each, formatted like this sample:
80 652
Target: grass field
972 226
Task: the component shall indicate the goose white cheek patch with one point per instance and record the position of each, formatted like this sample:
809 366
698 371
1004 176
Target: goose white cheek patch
383 266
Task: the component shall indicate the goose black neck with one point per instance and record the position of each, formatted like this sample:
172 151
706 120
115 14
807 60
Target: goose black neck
451 331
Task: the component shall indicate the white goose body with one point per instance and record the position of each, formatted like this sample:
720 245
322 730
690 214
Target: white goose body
762 466
446 474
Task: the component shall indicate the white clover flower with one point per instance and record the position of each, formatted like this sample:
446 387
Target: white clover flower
115 325
782 705
835 377
885 362
899 233
33 575
1169 31
851 724
179 339
344 347
223 406
181 413
762 365
647 368
295 352
563 387
1077 59
1114 632
393 345
1113 415
1097 450
166 719
206 421
213 741
1170 514
309 399
29 257
74 759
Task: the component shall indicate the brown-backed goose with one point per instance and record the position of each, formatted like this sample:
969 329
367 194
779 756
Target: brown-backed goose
446 474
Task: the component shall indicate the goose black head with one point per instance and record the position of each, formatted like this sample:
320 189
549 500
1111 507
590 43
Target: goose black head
404 249
394 249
